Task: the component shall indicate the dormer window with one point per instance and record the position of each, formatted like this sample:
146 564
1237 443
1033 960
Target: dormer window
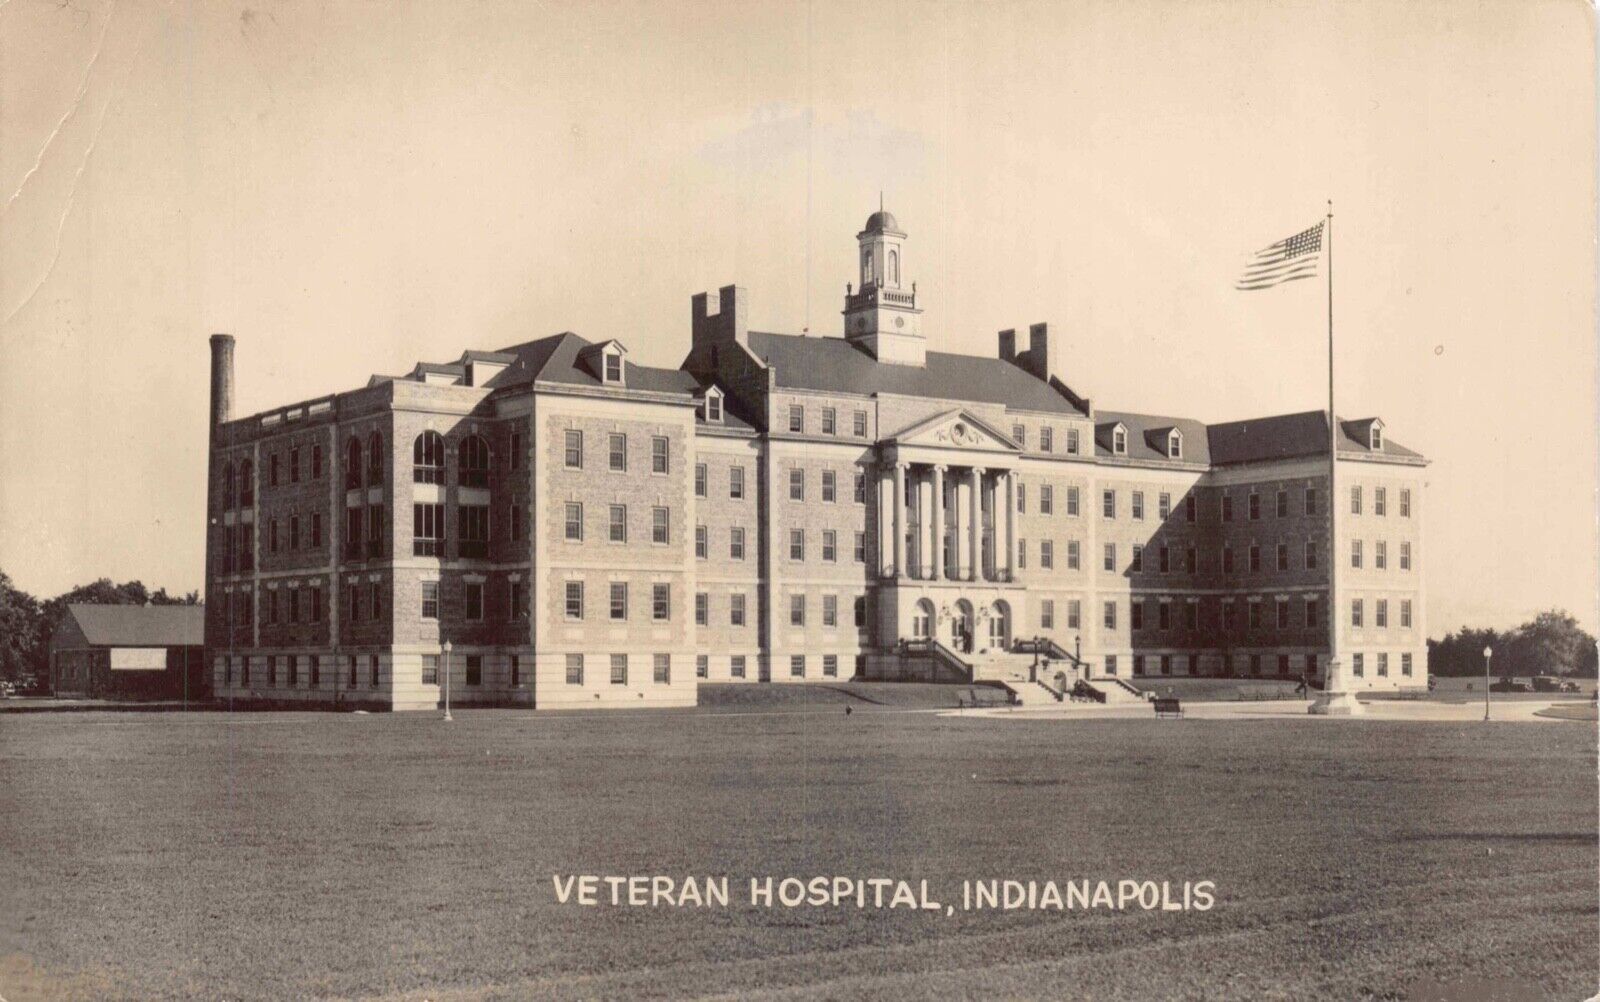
613 367
1174 444
713 405
1119 441
1376 437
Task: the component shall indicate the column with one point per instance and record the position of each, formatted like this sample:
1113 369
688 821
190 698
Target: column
1010 562
975 524
899 518
938 523
885 556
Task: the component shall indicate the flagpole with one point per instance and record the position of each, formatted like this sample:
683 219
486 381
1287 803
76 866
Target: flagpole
1333 464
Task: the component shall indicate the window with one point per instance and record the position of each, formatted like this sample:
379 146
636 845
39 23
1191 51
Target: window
1119 441
1227 559
1355 500
294 478
661 602
1165 558
736 666
736 609
617 526
1047 554
474 669
1108 504
1355 612
294 532
797 418
830 610
1255 615
472 521
1405 556
1073 562
1227 507
829 421
316 529
699 480
736 543
1405 665
1283 556
660 526
427 458
1111 664
1191 560
861 547
830 665
474 595
797 666
574 522
1072 502
352 466
1022 499
1164 506
1164 615
1136 614
797 544
830 490
1380 617
1072 441
714 407
1311 500
427 530
375 599
1283 613
519 599
375 460
1311 614
1074 614
574 450
1227 614
247 486
1136 562
702 609
1019 435
830 546
860 609
430 600
1174 444
272 470
1047 614
473 465
1047 439
860 494
702 544
797 610
516 464
1311 554
430 669
1405 512
658 454
1282 506
736 482
619 669
1380 554
516 518
619 600
1255 507
1110 563
1111 616
617 452
858 424
1358 665
1191 615
1047 500
1355 553
1191 509
1255 558
797 484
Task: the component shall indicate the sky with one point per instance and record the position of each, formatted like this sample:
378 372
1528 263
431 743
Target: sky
350 187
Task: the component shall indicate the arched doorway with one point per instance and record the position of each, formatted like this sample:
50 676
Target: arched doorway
961 627
1000 626
922 620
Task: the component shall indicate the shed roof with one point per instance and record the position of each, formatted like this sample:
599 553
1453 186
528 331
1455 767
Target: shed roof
140 625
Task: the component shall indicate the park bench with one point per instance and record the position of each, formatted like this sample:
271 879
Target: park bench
1167 706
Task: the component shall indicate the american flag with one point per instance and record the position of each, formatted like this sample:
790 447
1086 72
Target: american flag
1288 259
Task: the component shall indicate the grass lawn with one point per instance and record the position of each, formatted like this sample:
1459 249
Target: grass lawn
294 855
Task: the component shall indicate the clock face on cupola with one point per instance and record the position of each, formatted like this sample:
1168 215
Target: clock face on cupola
882 317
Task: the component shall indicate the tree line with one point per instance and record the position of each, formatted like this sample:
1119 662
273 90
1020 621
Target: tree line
26 622
1552 643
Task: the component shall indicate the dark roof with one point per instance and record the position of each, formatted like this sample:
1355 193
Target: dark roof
1287 436
835 365
882 222
141 625
554 359
1147 437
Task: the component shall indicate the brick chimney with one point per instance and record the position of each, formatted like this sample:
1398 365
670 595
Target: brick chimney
1008 345
221 380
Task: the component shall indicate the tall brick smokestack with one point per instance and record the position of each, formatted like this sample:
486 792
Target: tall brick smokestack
221 380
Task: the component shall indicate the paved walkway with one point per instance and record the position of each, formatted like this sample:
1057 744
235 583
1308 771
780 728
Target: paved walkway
1281 709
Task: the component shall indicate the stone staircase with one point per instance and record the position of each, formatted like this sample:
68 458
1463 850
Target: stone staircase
1015 671
1117 692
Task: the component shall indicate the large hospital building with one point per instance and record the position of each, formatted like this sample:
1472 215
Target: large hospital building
583 530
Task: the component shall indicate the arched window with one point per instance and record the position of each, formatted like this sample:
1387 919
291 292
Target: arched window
1174 444
352 464
922 620
427 458
247 484
474 469
375 460
866 267
228 496
894 267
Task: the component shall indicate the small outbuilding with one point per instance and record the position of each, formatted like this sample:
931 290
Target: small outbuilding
132 652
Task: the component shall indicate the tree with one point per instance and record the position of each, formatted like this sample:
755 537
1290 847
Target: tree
19 621
101 592
1553 644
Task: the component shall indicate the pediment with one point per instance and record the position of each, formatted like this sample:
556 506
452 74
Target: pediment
955 429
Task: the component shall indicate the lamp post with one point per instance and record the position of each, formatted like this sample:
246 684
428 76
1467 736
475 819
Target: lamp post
447 681
1488 652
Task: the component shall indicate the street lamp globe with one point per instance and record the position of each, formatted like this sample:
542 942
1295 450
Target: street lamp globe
1488 652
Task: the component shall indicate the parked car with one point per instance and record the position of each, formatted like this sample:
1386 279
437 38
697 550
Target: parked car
1508 685
1552 683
